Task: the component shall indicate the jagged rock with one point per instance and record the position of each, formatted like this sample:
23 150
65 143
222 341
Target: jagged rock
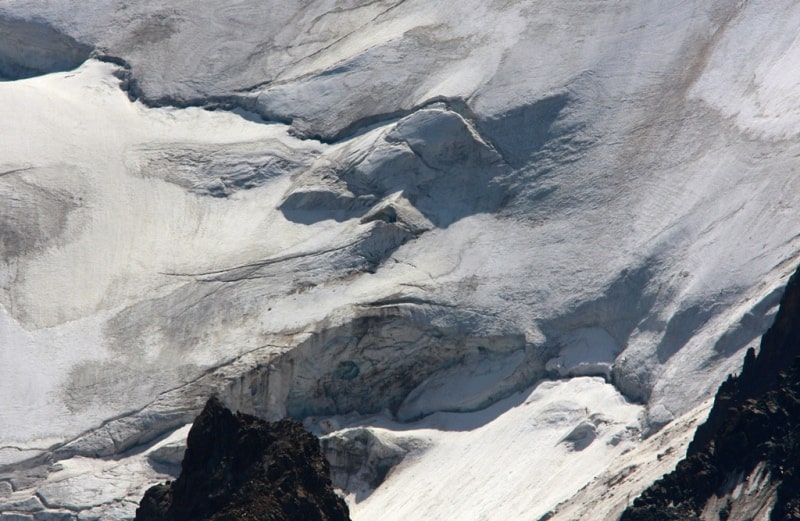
754 423
240 467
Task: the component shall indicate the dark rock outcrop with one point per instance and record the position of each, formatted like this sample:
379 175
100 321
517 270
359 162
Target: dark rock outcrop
238 467
755 421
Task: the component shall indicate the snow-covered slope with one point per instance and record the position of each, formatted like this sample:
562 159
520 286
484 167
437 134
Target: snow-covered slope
502 242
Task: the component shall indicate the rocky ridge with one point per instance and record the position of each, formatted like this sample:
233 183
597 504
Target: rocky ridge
743 462
239 467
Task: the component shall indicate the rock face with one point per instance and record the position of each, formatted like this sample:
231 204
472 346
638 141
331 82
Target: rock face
240 467
744 462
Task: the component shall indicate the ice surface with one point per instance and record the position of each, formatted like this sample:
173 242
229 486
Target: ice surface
588 351
446 208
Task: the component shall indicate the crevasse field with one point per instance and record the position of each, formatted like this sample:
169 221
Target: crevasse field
497 254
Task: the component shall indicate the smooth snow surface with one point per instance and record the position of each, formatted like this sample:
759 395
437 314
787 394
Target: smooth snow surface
463 473
499 253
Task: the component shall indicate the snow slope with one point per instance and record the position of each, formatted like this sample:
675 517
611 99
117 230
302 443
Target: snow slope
400 217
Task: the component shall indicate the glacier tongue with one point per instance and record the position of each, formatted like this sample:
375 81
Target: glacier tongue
483 247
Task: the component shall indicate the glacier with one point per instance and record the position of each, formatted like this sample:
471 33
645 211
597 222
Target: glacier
498 255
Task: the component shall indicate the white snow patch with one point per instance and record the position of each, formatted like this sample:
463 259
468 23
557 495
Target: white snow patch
32 372
462 474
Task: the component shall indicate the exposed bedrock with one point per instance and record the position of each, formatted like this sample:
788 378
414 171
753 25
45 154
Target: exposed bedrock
239 467
743 461
30 49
